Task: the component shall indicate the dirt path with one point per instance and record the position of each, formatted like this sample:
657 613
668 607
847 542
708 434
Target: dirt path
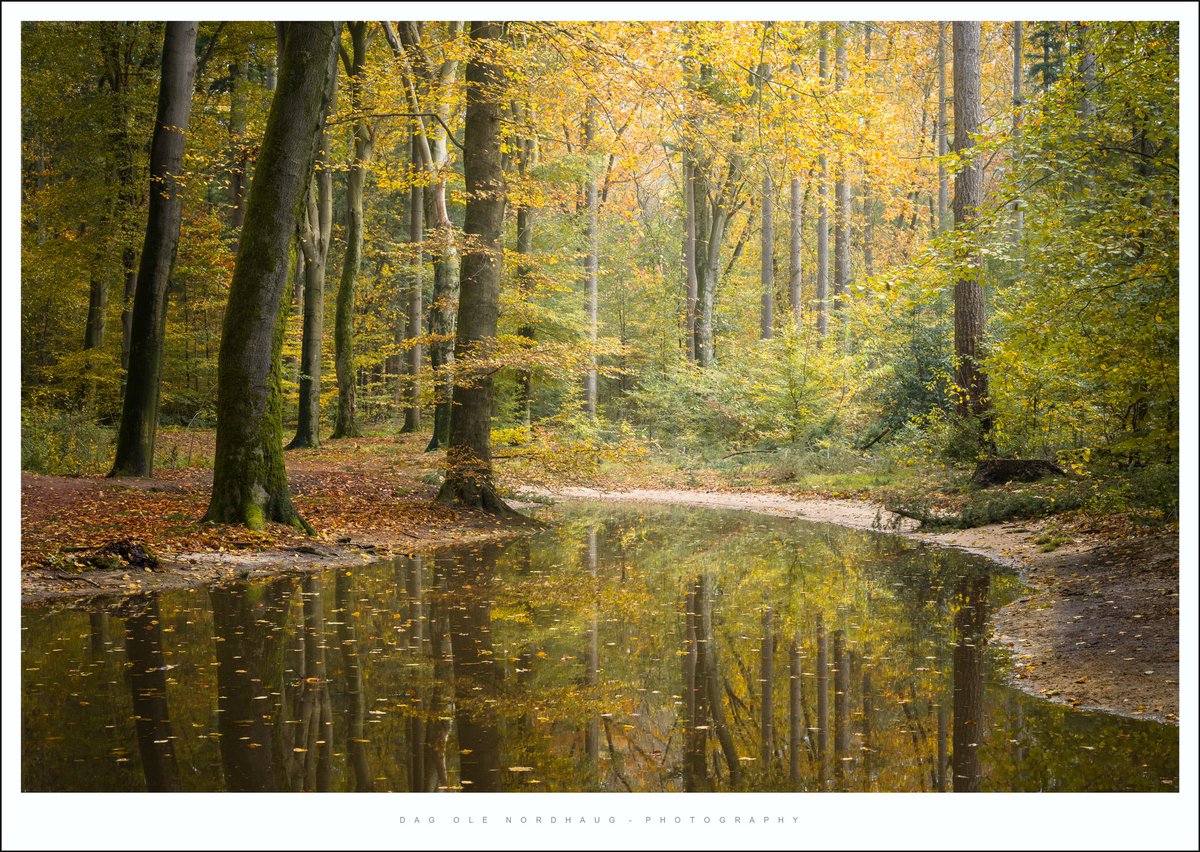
1099 630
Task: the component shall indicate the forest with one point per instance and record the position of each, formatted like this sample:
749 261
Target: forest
300 296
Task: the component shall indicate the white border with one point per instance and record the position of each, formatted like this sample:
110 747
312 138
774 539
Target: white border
896 821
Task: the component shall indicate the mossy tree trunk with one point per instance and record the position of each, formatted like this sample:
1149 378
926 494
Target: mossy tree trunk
346 424
139 410
469 454
249 480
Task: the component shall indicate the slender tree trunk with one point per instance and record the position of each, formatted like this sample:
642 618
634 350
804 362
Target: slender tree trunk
443 314
525 277
469 454
238 154
767 271
139 411
315 233
969 322
943 220
416 303
795 248
346 424
823 206
249 480
841 191
868 203
1018 98
691 291
591 266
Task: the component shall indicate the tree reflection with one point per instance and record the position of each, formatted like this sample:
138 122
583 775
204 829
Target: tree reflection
148 684
248 622
969 626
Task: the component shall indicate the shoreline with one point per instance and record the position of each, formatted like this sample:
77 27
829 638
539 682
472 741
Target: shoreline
1098 630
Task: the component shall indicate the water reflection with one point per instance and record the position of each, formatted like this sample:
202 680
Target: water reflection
624 649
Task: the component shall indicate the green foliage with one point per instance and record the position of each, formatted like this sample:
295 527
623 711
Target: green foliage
55 441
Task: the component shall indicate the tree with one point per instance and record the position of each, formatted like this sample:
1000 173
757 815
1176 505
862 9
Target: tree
469 452
969 322
249 480
823 207
346 424
316 229
139 412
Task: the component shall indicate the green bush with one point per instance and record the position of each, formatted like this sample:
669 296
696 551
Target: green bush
63 442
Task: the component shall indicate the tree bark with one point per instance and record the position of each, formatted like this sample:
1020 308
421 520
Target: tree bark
841 191
139 410
591 266
691 291
823 205
238 154
315 233
943 221
1018 99
969 322
249 480
767 270
469 455
346 423
416 302
795 248
525 277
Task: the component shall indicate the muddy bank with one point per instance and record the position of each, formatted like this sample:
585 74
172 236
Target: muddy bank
1098 630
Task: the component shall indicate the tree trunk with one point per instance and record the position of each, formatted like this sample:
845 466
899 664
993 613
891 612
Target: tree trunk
591 267
469 454
691 291
443 313
346 424
868 204
943 221
525 277
416 302
841 191
823 206
249 481
315 232
767 271
795 247
238 153
139 411
1018 98
969 323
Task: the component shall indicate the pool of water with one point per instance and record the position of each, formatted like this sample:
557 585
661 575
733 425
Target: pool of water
622 649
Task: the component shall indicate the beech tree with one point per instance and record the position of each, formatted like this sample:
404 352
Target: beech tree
469 452
249 480
139 412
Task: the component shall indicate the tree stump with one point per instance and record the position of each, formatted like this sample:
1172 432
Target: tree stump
999 471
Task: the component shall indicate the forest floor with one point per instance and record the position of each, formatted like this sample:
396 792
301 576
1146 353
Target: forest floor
1099 628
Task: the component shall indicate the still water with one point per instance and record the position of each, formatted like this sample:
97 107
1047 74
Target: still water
622 649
